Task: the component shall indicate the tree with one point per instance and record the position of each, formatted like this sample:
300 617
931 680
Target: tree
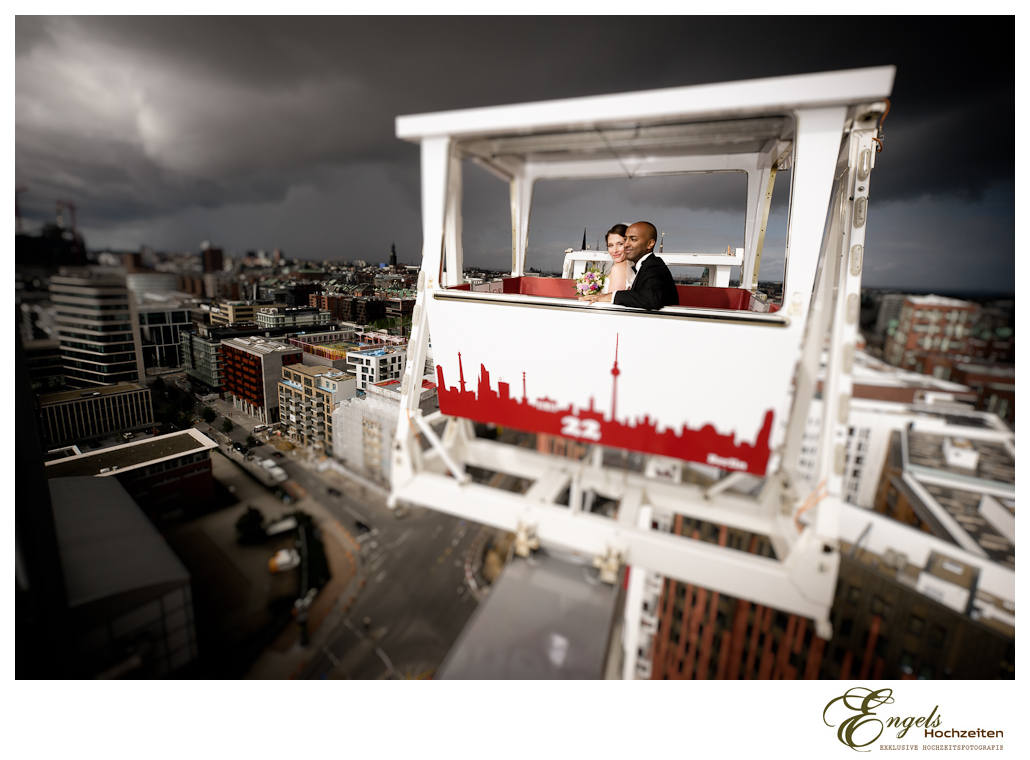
227 426
208 414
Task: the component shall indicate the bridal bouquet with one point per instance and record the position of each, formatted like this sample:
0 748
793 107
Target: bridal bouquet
590 283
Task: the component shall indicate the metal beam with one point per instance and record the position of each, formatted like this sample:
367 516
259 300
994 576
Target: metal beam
729 571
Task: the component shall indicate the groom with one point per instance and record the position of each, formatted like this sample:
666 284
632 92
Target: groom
652 286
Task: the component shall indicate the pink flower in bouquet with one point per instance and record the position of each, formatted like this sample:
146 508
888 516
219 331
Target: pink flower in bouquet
590 283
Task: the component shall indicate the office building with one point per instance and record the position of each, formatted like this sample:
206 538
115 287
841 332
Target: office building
44 364
75 416
97 328
162 318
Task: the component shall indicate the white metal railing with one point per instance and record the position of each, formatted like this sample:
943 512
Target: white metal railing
576 263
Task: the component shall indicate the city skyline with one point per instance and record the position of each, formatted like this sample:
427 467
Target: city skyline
267 133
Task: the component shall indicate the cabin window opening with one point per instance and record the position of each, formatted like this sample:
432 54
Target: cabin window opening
702 212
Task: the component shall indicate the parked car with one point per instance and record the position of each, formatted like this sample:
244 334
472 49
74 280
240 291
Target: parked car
283 560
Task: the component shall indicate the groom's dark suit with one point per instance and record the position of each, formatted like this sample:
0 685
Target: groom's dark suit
653 287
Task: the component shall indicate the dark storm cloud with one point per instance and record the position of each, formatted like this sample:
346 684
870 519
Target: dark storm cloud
157 124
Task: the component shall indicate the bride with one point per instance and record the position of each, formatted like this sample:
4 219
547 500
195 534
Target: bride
619 277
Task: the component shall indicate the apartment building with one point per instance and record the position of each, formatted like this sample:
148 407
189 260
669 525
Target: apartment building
929 329
363 428
252 368
372 366
308 396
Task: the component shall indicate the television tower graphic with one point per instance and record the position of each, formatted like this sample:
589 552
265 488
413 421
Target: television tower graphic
704 444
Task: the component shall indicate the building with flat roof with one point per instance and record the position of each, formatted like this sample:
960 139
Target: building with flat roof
885 399
202 349
235 312
291 316
97 327
129 598
72 416
363 428
372 366
168 475
308 396
956 482
252 370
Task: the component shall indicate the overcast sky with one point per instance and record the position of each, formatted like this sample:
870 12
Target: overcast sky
257 133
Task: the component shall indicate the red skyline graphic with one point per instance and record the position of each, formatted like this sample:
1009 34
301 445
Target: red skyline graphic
705 444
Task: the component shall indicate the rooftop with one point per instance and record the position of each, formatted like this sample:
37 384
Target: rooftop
318 371
257 345
108 546
129 456
907 554
63 397
932 300
546 617
994 461
745 98
964 506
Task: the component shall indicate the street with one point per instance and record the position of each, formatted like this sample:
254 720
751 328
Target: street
413 600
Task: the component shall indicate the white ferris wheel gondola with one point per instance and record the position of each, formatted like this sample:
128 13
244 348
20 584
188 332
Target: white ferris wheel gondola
721 379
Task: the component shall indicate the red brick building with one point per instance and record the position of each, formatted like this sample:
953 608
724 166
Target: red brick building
932 332
994 384
252 368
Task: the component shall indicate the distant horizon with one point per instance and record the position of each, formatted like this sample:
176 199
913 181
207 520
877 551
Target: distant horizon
969 293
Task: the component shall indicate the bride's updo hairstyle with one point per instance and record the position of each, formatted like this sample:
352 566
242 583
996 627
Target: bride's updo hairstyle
618 229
